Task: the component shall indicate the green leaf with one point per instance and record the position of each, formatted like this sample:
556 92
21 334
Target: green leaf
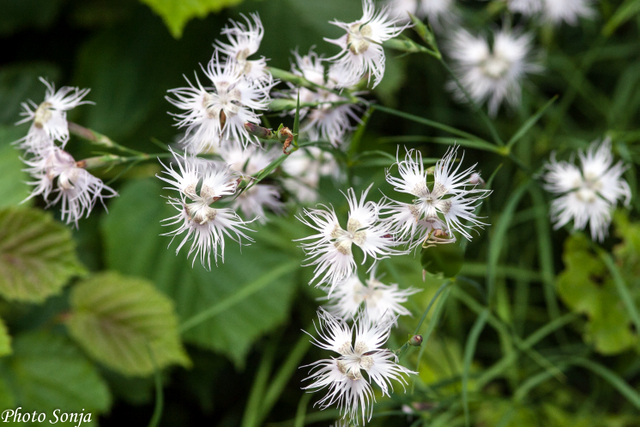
121 320
37 255
13 181
234 304
5 339
586 286
176 13
48 372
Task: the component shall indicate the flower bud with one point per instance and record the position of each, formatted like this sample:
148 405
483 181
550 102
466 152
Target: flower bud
415 341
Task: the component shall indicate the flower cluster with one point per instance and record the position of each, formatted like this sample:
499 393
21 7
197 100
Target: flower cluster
443 203
57 176
554 11
236 89
361 361
589 193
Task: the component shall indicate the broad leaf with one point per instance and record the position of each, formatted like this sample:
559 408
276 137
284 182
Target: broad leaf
37 255
13 181
126 324
48 372
176 13
244 297
586 286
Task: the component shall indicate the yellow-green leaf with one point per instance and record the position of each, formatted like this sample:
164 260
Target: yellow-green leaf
126 324
176 13
37 255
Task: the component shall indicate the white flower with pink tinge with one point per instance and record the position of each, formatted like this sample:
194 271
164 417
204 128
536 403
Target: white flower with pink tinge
50 117
56 172
200 184
361 361
330 250
361 46
587 194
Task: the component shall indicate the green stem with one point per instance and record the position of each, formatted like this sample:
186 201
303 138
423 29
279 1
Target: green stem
109 160
99 139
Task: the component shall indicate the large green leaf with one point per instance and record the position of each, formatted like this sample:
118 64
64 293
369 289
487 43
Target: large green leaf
586 286
176 13
37 255
121 321
242 299
48 372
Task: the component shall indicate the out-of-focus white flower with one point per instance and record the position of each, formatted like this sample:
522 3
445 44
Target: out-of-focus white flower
380 301
445 205
491 74
212 114
362 51
331 249
75 188
305 167
589 193
201 184
360 353
558 11
253 201
437 11
244 41
50 117
525 7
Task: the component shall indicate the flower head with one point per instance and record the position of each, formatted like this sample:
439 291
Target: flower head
331 249
212 114
361 46
437 11
439 207
201 184
589 193
244 41
558 11
305 167
361 360
56 172
50 117
379 301
491 74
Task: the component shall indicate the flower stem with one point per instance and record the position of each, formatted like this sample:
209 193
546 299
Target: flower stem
99 139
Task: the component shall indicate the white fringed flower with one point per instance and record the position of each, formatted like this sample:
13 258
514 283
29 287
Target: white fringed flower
212 114
305 167
558 11
525 7
248 162
199 185
331 249
50 117
362 51
379 301
361 360
244 41
491 74
589 193
445 205
56 172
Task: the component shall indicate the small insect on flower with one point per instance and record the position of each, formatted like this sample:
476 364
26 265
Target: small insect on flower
361 360
331 249
201 183
361 46
587 194
50 117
